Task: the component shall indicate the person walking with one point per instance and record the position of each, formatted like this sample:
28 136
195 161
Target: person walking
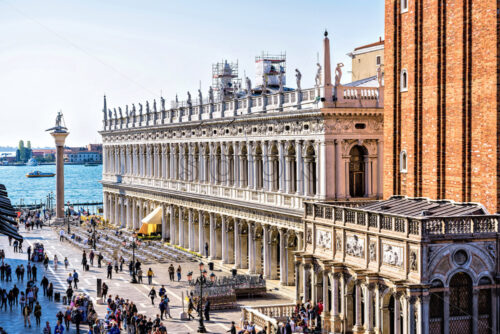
59 329
171 272
84 260
207 310
91 257
179 273
122 261
110 271
150 276
190 307
22 300
99 260
67 318
47 329
29 253
26 315
77 319
28 271
206 249
50 291
56 262
166 300
69 295
232 330
139 275
33 272
46 262
152 295
75 279
104 290
37 313
45 284
61 236
15 290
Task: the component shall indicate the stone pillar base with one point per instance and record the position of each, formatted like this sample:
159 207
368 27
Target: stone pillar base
336 324
59 220
358 330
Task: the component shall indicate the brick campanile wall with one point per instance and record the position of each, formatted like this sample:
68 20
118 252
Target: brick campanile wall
449 119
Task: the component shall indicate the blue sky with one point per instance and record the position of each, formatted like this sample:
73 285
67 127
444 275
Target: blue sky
64 55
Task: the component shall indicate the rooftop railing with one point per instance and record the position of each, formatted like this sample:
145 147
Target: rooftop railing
182 111
424 227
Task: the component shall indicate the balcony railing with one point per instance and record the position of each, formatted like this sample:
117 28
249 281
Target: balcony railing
428 227
268 315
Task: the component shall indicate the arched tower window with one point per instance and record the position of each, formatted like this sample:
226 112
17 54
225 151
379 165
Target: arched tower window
404 80
404 6
403 162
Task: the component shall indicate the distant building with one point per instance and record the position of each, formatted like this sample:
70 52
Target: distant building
89 153
366 59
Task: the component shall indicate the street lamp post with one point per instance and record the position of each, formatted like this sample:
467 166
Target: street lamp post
93 222
133 243
201 280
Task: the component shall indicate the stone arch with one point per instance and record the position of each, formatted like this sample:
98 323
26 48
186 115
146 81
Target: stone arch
357 173
460 303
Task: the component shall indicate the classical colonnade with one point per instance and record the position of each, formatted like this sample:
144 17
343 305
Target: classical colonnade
280 166
257 247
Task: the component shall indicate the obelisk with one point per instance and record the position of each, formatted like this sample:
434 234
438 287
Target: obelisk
59 133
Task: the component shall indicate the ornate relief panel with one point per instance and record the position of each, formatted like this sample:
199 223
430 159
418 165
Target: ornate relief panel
392 255
324 239
355 246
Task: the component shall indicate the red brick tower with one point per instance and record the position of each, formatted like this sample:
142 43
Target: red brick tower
442 104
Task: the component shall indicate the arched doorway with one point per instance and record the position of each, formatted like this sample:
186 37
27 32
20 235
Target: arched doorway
357 171
460 304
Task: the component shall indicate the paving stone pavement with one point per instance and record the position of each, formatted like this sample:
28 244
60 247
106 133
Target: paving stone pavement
12 321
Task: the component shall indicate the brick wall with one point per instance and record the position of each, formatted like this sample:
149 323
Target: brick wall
448 120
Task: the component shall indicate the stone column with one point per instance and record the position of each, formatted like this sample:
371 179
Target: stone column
213 236
181 227
267 255
236 164
305 281
224 240
191 229
475 311
446 312
326 304
250 176
172 224
59 138
201 232
358 327
397 314
265 167
283 259
424 313
237 249
281 171
251 248
369 309
412 328
297 285
164 233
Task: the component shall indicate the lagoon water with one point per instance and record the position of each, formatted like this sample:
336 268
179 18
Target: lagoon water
81 183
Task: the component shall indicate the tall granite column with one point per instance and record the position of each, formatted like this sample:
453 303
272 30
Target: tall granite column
59 138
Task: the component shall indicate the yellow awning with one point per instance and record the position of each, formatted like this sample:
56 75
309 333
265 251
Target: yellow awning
152 222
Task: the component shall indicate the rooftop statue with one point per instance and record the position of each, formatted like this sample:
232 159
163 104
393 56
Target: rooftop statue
147 107
210 94
120 112
200 97
189 99
59 126
249 86
133 109
162 104
176 99
380 75
126 111
110 114
317 79
154 106
140 109
114 112
298 76
338 73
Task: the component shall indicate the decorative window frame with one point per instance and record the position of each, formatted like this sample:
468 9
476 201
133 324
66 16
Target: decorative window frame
403 162
378 60
404 80
404 6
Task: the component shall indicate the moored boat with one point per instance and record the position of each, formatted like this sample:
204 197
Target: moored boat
37 173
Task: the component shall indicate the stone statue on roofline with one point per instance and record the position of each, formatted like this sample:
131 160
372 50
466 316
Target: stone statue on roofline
140 109
200 97
120 112
154 106
317 79
338 73
380 75
126 111
249 86
133 109
114 112
298 77
189 104
210 94
147 108
281 78
110 114
162 104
